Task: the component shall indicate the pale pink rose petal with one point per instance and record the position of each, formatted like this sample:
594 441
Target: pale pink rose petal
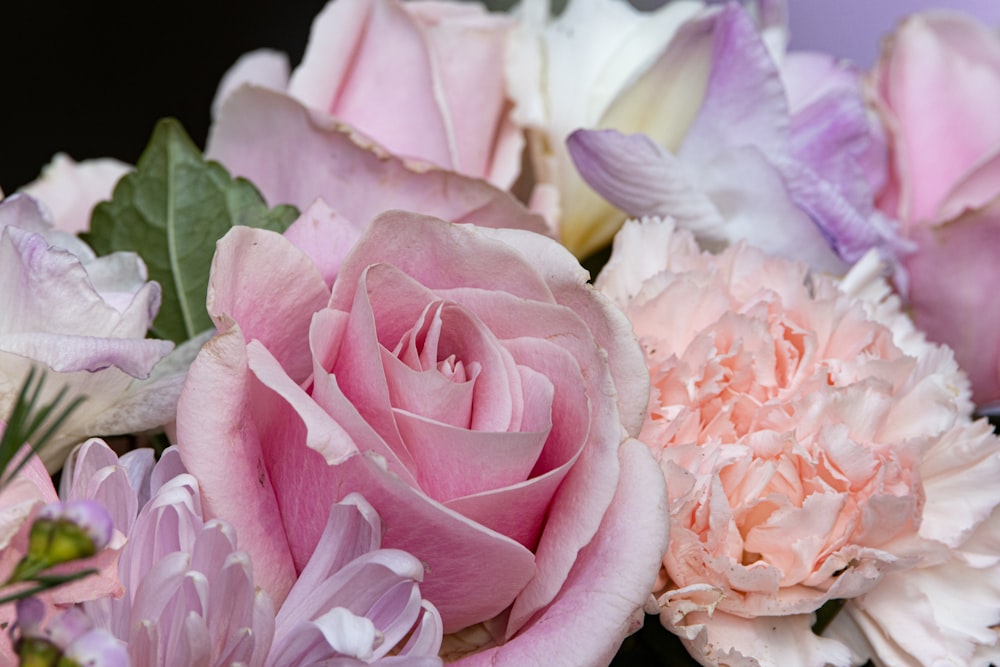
325 236
408 514
254 267
976 189
264 67
573 519
413 96
71 189
610 581
419 295
832 131
326 337
467 47
949 59
235 482
256 126
457 257
610 328
333 40
962 253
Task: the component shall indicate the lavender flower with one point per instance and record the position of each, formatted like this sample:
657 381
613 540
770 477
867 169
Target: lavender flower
781 153
190 596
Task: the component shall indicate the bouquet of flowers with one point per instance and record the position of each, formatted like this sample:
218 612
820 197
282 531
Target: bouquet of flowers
606 336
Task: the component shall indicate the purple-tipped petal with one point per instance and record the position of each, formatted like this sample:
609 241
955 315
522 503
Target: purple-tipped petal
68 626
30 614
98 647
93 518
745 101
641 178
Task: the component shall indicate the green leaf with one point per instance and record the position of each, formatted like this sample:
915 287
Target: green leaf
171 210
25 420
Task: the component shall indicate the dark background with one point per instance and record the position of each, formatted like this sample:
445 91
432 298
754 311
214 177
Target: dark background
91 78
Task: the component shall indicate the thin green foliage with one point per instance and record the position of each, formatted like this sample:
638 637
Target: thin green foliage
31 424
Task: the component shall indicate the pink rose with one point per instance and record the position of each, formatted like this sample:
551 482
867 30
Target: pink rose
802 426
937 88
474 388
424 79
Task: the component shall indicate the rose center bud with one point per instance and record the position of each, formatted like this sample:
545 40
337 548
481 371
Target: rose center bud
461 402
439 384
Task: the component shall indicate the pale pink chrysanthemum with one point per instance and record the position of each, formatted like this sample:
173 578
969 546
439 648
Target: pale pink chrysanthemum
815 448
190 596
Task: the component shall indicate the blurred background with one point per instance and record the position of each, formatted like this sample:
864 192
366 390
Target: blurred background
90 78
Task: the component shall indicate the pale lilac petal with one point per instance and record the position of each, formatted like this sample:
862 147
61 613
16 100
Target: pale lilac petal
336 633
752 188
256 126
380 587
71 189
426 637
352 530
68 354
90 330
167 468
744 102
850 230
49 289
93 472
832 131
643 179
152 402
97 647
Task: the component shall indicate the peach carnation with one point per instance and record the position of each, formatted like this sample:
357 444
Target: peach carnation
799 422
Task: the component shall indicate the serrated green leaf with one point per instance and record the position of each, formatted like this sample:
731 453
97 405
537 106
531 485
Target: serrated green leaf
171 210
